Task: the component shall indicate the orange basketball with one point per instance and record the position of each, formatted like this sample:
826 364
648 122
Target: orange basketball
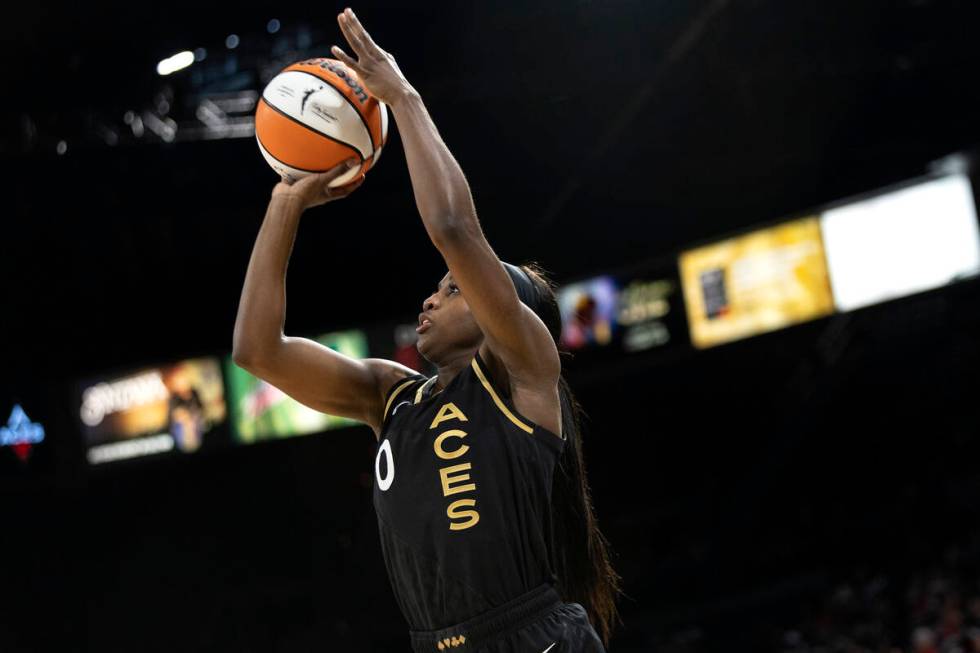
316 114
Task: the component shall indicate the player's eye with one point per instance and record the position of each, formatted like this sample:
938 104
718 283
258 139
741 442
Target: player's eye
453 287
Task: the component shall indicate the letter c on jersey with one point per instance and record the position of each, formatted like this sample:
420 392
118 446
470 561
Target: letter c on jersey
384 483
456 453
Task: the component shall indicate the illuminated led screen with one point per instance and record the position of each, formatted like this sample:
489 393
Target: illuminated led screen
588 312
261 411
757 282
903 242
624 313
153 411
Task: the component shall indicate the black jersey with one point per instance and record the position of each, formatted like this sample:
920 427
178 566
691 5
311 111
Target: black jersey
463 497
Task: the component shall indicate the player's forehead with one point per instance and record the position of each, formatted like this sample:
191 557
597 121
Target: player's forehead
445 279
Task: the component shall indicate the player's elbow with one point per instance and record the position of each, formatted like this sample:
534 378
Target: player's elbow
248 356
243 358
253 347
242 349
453 229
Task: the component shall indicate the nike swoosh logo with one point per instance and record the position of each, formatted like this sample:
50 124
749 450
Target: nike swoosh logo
549 648
395 409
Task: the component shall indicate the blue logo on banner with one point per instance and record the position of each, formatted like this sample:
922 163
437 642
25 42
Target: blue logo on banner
20 433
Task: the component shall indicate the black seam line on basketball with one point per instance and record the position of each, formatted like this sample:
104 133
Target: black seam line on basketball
266 150
352 106
315 131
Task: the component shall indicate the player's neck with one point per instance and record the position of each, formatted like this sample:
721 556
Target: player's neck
449 370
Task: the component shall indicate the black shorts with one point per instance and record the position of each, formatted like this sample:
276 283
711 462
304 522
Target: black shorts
536 622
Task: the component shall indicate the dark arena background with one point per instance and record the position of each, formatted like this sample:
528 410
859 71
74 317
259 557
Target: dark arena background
762 221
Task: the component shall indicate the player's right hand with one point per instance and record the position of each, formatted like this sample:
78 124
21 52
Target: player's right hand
313 190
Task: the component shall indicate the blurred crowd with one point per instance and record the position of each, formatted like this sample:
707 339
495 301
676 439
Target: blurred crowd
935 609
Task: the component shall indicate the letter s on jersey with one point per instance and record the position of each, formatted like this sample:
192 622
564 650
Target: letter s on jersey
384 483
454 512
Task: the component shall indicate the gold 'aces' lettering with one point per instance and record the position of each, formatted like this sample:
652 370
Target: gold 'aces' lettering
447 412
452 477
455 453
447 480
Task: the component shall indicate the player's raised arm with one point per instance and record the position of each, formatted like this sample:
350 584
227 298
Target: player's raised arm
444 201
315 375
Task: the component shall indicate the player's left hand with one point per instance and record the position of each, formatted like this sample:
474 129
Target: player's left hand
314 190
376 68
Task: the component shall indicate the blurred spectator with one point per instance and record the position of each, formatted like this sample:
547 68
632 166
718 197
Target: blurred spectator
934 611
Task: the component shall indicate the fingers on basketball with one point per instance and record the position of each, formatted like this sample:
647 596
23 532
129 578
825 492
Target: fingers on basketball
338 170
348 188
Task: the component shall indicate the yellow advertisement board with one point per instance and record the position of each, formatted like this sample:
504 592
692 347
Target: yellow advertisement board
758 282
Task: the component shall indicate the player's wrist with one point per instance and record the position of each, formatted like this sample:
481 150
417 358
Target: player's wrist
406 94
287 201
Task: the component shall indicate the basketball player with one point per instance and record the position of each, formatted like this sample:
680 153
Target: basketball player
483 507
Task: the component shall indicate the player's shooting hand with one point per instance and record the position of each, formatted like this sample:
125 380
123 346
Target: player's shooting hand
313 190
376 68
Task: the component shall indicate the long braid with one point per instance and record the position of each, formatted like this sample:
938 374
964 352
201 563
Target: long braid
581 551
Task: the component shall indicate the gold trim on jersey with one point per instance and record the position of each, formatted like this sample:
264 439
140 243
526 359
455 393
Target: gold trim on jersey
418 393
395 394
496 399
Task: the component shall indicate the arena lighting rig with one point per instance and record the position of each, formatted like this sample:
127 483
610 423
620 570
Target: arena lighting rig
200 94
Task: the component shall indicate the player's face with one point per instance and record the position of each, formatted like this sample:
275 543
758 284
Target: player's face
452 326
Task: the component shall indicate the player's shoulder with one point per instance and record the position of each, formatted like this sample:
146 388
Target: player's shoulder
391 376
391 380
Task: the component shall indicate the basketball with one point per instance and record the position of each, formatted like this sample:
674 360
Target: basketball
316 114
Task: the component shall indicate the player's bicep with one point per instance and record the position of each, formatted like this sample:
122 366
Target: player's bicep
327 380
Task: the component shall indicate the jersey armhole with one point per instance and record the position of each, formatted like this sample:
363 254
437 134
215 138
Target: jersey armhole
538 432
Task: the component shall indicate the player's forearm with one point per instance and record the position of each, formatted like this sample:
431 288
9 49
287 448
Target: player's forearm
441 192
262 309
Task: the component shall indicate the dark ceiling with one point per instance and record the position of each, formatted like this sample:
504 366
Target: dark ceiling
594 134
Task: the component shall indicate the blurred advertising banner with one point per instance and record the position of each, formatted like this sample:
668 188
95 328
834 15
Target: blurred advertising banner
902 242
649 312
625 313
755 283
261 411
156 410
